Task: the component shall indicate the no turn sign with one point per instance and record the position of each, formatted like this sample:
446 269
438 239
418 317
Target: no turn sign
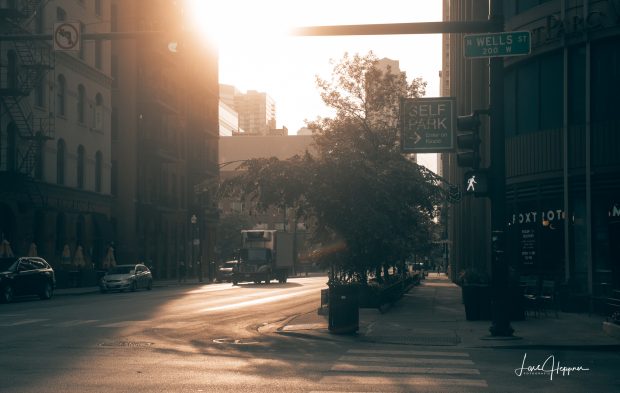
67 36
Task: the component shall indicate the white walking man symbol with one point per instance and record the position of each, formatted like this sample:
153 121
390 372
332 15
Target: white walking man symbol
471 183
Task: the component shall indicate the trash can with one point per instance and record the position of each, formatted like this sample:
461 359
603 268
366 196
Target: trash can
344 309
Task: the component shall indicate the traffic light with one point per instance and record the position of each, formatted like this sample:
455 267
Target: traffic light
468 141
476 182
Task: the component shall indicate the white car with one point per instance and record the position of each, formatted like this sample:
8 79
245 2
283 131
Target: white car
122 277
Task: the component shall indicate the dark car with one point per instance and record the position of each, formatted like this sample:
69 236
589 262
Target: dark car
225 271
26 276
122 277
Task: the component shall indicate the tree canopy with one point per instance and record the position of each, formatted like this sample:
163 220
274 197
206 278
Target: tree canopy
357 188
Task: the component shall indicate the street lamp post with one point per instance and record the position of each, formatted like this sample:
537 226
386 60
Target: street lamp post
196 244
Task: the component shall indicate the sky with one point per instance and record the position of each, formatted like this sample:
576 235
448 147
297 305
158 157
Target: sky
256 53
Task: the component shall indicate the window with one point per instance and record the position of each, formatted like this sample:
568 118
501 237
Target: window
11 154
61 14
577 85
40 162
528 99
82 46
605 79
60 162
98 7
39 93
81 104
80 166
61 94
114 178
98 54
114 18
114 125
114 65
98 112
534 94
98 171
39 20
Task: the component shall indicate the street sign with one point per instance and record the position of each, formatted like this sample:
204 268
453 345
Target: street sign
428 124
66 36
513 43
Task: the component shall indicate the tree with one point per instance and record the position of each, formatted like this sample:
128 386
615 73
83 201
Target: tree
362 193
229 235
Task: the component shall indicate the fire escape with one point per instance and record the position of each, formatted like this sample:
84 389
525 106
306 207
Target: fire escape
23 67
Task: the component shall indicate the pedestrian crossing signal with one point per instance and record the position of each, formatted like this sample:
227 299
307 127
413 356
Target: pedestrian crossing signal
476 183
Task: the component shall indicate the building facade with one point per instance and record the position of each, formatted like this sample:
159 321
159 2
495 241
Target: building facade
103 147
164 142
562 145
55 150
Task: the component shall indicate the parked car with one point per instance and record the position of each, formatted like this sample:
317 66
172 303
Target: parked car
26 276
122 277
225 271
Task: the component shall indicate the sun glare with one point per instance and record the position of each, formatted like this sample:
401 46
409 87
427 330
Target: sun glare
234 23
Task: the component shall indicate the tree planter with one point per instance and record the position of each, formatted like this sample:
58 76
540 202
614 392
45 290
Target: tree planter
477 301
344 309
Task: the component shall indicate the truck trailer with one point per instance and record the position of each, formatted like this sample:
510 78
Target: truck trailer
265 255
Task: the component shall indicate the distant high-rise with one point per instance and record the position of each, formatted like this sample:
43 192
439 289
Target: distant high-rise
257 112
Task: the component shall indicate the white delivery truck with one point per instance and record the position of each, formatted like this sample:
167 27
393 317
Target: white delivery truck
264 255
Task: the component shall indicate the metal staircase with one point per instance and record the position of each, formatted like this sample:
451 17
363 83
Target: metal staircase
24 65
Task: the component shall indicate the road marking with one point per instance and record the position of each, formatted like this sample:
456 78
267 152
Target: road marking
264 300
383 359
407 353
385 369
404 370
76 322
386 381
23 322
125 324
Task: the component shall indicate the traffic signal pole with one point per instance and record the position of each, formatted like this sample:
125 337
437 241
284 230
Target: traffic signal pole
500 273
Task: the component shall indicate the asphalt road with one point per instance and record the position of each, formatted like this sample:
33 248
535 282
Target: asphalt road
219 338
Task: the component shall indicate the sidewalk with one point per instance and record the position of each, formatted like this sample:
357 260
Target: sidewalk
433 314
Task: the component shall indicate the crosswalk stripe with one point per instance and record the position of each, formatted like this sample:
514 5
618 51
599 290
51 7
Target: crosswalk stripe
384 359
23 322
76 322
386 381
404 370
407 353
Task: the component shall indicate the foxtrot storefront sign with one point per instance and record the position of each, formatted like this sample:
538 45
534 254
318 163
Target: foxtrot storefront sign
542 217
